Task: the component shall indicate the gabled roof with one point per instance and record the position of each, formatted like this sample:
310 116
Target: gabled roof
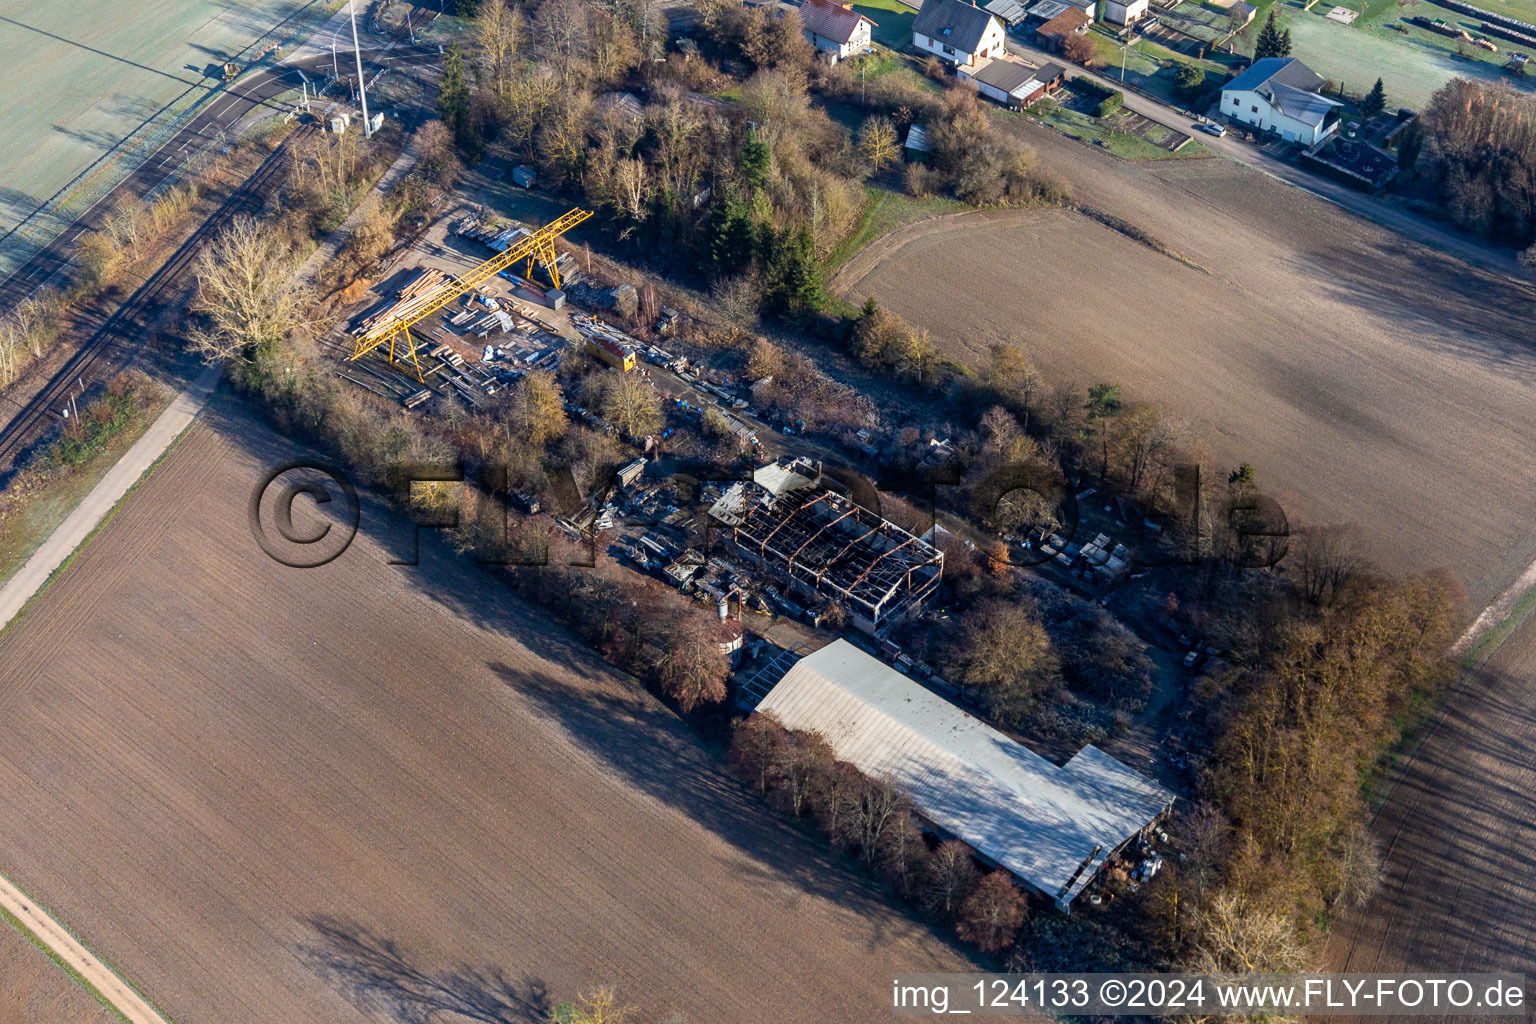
1065 23
1275 70
1053 827
830 20
954 23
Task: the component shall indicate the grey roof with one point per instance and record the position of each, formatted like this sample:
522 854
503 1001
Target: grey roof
953 22
1052 827
917 139
1045 10
1006 75
1299 104
1011 11
1276 70
1049 71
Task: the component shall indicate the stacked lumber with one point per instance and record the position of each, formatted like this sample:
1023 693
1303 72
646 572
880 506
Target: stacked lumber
416 295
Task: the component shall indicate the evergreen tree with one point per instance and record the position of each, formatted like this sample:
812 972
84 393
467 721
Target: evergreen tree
793 273
453 102
1271 42
732 238
754 161
1375 101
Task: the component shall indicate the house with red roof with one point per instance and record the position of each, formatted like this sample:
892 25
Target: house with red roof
836 29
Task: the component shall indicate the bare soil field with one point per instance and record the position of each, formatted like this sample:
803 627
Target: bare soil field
1368 379
33 990
1458 831
387 793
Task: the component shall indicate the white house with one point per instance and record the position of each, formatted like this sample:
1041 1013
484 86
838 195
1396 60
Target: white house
1124 12
959 32
835 29
1281 95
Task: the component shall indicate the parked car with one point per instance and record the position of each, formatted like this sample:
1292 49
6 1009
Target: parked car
1194 658
1212 128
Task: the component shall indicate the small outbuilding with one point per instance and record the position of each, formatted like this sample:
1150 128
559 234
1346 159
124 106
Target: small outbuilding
1010 82
1124 12
917 148
1070 22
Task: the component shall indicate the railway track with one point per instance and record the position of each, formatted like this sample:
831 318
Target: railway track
126 322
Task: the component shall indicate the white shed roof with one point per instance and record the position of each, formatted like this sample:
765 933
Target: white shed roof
1054 827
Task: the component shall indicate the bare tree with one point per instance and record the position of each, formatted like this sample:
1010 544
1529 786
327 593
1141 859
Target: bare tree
1234 936
754 747
246 293
736 301
1359 867
796 767
950 877
991 915
599 1007
1327 560
501 35
878 143
630 404
537 412
692 666
874 807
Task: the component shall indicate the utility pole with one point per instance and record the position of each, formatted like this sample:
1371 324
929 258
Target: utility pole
362 88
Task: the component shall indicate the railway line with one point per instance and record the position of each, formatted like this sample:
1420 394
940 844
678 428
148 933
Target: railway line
125 324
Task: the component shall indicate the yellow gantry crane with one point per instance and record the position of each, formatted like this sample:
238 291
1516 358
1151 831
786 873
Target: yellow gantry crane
538 245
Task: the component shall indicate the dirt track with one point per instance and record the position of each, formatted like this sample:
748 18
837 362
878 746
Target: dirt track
1368 380
34 991
1458 831
366 792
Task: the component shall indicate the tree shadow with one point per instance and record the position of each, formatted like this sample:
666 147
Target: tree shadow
379 977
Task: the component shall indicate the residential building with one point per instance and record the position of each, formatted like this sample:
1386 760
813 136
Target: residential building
1282 95
1124 12
836 29
1055 828
959 32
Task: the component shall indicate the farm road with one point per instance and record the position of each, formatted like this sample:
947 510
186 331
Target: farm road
134 1008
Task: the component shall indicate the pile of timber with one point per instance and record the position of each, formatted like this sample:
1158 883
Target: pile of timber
416 295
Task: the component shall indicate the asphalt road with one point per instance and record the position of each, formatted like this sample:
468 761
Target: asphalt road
253 92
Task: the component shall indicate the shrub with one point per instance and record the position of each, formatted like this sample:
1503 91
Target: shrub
1109 104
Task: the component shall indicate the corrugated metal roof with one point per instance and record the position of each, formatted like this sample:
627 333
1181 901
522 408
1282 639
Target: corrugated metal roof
1053 827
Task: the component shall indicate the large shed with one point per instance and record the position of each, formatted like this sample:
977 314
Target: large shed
1054 828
